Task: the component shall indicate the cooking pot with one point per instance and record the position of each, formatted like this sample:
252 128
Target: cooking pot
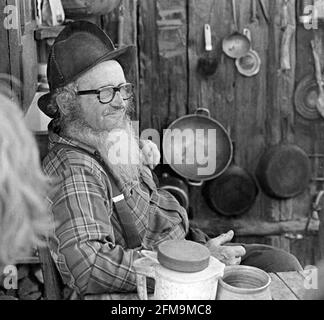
182 270
284 171
177 187
244 283
189 139
78 8
233 193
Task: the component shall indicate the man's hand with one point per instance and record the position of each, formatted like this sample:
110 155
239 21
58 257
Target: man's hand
150 153
229 255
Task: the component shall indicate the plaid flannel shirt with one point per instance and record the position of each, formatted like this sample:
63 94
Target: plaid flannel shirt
88 245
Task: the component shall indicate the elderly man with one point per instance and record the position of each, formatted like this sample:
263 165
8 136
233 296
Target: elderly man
107 211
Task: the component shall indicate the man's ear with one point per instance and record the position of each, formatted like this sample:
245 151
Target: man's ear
63 101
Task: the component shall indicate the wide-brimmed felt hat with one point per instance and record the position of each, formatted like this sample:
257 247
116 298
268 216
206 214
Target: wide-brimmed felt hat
79 47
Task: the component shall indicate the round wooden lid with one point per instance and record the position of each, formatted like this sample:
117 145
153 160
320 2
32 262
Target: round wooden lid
183 256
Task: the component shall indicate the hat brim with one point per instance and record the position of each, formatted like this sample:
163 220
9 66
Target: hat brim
125 56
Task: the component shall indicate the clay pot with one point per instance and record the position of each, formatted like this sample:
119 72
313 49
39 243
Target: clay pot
244 283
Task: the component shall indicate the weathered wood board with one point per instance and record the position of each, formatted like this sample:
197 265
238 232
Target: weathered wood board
296 284
279 291
163 62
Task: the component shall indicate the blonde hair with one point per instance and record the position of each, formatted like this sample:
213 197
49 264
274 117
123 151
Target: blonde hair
24 218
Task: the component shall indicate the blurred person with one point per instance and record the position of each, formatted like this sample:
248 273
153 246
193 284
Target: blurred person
24 218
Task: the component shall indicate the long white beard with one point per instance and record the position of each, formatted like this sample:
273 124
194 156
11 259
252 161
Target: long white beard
120 150
119 147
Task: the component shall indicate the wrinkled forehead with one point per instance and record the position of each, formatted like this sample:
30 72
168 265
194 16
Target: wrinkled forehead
104 74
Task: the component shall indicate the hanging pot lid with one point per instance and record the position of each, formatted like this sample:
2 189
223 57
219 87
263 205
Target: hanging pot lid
249 65
306 96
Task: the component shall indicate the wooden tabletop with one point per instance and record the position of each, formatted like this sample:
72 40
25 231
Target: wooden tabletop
288 285
284 286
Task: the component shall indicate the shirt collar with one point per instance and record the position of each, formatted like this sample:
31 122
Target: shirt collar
54 138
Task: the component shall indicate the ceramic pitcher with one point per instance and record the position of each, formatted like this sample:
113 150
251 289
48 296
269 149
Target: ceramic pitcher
174 285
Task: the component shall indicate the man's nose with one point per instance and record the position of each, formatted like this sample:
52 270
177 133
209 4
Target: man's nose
118 102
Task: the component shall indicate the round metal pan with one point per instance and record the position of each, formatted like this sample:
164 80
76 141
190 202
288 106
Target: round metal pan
203 134
233 193
284 171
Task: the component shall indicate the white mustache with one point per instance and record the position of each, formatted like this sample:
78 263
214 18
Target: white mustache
117 112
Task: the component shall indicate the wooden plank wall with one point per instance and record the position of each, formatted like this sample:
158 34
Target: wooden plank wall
170 42
124 19
4 58
162 44
18 49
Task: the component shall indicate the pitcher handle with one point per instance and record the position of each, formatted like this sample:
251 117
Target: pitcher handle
151 255
141 286
144 267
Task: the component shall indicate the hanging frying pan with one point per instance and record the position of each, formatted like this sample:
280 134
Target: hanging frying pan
233 193
197 147
284 171
306 96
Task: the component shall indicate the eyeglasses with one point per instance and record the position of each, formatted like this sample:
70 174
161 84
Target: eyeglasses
107 94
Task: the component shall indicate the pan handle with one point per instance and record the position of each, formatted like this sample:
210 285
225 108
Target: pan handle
318 68
235 15
195 183
286 47
203 111
208 38
247 33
